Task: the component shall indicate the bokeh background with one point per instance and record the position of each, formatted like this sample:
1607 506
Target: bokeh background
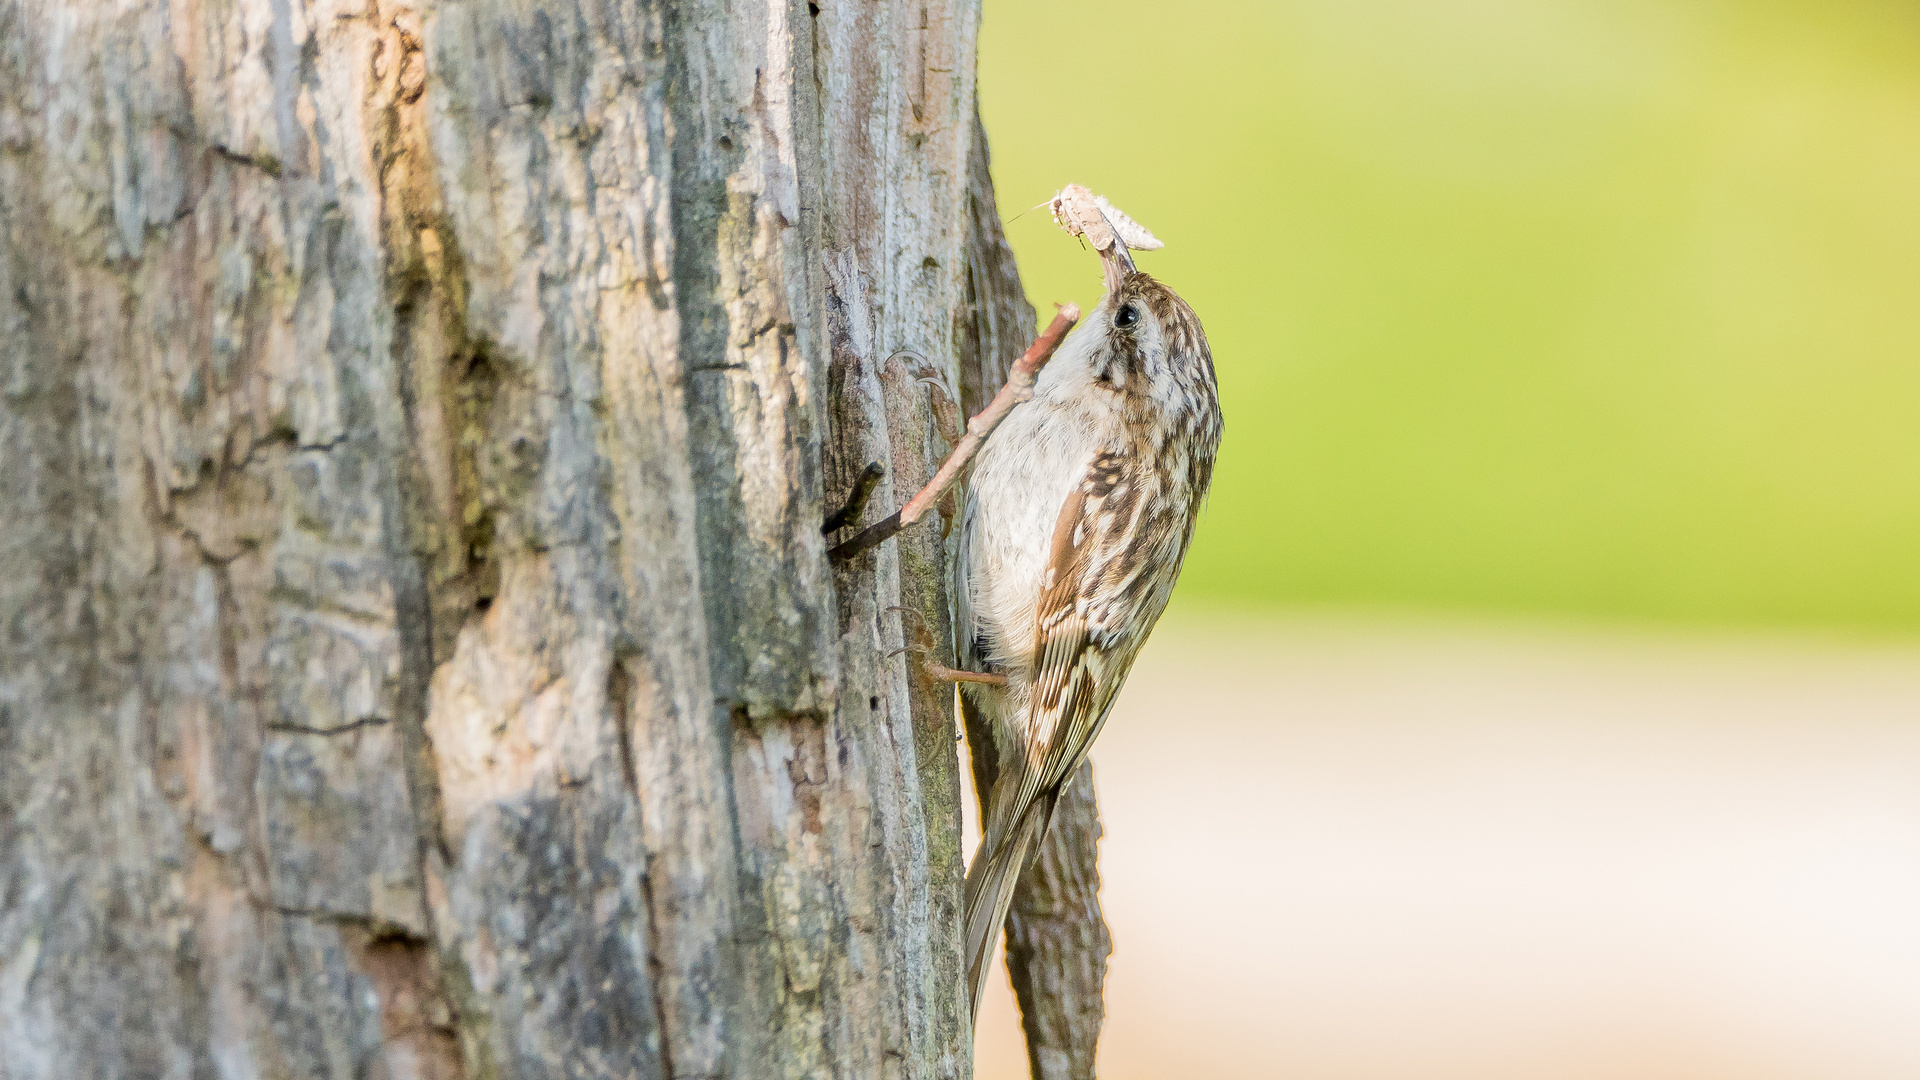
1541 696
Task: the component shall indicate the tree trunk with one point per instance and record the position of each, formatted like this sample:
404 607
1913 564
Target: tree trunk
418 655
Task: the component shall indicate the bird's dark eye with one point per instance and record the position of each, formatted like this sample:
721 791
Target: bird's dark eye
1126 317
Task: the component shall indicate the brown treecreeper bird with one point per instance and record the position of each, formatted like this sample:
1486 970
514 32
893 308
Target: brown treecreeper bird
1078 515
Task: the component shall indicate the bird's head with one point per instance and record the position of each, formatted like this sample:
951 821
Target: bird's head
1145 337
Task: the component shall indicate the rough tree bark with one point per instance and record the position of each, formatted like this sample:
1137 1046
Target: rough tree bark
418 656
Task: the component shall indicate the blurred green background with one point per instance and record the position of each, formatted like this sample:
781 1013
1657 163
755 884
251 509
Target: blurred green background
1603 308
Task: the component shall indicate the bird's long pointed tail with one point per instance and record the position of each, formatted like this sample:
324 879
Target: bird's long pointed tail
990 883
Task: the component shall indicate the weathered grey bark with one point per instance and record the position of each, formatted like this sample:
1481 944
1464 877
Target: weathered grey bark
1057 940
417 652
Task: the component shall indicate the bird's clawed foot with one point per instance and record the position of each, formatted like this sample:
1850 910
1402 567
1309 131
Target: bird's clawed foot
955 675
922 647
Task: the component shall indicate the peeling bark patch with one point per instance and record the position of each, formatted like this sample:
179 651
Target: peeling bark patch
806 784
416 1023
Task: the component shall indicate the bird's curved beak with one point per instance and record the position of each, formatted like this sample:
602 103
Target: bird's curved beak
1116 262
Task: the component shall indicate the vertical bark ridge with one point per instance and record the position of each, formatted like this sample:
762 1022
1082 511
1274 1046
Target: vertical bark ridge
894 89
423 980
1058 943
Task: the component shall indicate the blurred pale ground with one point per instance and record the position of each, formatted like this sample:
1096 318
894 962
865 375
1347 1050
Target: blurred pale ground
1342 848
1549 309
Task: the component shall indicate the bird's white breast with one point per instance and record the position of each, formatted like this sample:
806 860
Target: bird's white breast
1020 481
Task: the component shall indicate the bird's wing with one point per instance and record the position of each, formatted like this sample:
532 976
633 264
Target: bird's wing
1083 640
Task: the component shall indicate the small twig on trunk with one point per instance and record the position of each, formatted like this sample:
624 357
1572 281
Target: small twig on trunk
856 504
1018 388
